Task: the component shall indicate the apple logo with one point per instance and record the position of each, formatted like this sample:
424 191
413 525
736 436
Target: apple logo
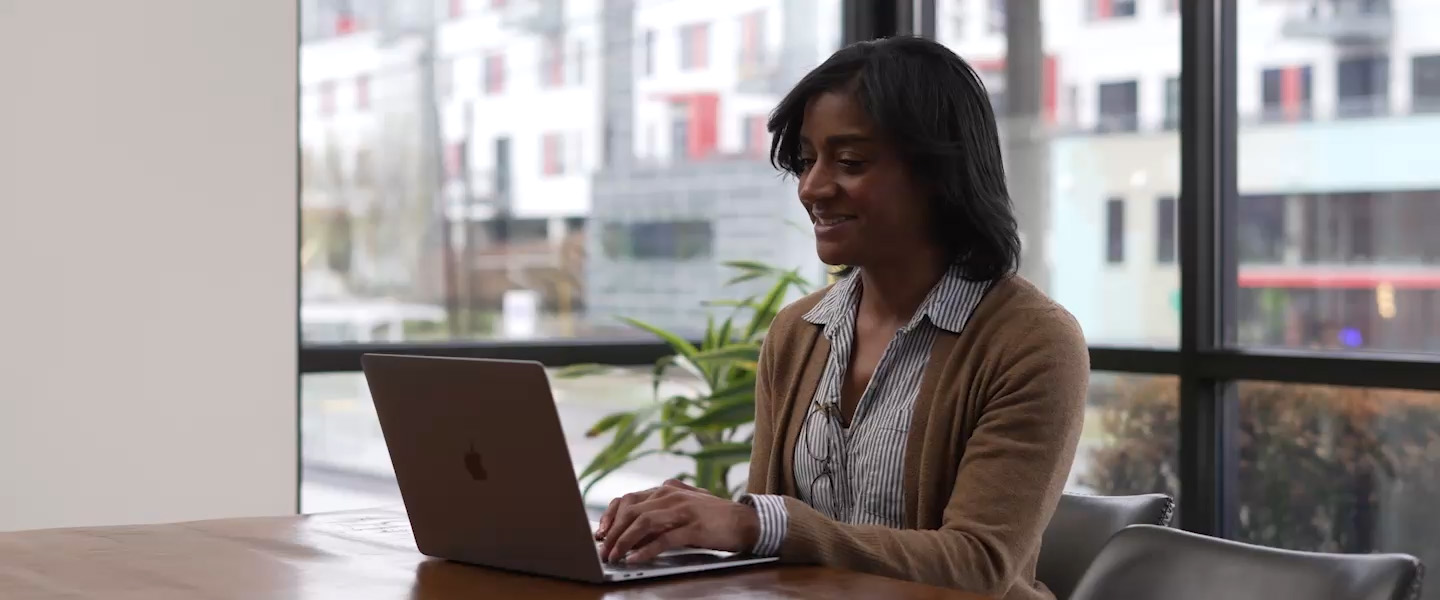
475 465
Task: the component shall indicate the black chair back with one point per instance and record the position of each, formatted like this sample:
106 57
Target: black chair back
1080 528
1144 562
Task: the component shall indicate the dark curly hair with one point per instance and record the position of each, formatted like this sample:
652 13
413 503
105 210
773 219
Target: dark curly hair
933 108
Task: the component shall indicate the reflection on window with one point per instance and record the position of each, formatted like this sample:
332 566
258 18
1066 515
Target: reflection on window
681 240
1338 469
695 46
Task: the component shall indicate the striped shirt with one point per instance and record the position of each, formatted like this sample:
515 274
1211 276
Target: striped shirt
854 474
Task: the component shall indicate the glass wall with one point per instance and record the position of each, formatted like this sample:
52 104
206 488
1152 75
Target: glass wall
1339 469
1088 101
533 169
1338 198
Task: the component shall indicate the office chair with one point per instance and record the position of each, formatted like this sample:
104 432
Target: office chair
1080 528
1145 561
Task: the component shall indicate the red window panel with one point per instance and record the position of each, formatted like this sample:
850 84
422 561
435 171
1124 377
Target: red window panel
697 45
452 161
346 23
1050 84
457 8
758 136
555 62
362 92
704 111
750 38
495 73
327 98
1104 9
1291 93
550 154
497 3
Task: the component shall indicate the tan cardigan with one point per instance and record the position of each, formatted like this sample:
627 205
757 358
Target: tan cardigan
994 431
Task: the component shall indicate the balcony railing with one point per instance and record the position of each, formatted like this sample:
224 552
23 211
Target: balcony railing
1343 21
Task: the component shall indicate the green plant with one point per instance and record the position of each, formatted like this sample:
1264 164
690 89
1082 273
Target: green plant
711 425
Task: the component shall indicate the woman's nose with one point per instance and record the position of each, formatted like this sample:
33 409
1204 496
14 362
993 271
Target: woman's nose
816 184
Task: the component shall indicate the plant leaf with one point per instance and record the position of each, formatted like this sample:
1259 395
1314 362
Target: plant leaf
723 416
581 370
747 351
766 310
724 452
711 340
609 422
722 337
602 473
681 346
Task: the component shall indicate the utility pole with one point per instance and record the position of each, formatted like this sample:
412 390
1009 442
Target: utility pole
433 151
1025 135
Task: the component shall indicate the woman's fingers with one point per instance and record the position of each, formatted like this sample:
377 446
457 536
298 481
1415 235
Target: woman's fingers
670 540
606 519
650 523
623 515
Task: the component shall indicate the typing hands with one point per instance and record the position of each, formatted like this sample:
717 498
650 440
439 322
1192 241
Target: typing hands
637 527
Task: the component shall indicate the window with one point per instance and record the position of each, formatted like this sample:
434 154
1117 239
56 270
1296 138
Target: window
678 240
552 159
752 41
457 8
327 98
1111 9
362 93
756 140
502 169
1119 106
1165 239
1363 86
444 79
695 46
1425 83
552 62
679 132
1115 231
1359 455
648 52
1285 94
577 64
997 16
957 21
1172 103
494 73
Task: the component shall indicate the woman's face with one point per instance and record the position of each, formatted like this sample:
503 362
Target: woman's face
865 206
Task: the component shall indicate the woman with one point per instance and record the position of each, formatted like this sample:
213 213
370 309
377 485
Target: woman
918 418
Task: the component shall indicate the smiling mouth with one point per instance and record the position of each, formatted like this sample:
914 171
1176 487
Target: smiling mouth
831 221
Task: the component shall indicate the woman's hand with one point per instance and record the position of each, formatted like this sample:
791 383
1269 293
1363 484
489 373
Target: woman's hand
637 527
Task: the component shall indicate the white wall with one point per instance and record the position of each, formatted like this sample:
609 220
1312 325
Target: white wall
147 261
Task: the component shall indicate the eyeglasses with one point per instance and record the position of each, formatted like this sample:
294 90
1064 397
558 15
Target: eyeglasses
817 444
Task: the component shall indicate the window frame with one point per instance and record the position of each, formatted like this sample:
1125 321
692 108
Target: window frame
1207 361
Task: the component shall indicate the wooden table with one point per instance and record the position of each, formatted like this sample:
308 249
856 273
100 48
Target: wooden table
352 555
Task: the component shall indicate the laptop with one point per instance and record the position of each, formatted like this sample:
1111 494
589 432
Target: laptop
485 475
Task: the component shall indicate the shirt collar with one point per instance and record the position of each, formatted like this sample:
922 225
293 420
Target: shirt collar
948 305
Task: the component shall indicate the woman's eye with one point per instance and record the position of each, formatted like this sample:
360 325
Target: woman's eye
852 163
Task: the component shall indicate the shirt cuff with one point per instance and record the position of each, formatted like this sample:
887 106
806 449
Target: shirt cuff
773 520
